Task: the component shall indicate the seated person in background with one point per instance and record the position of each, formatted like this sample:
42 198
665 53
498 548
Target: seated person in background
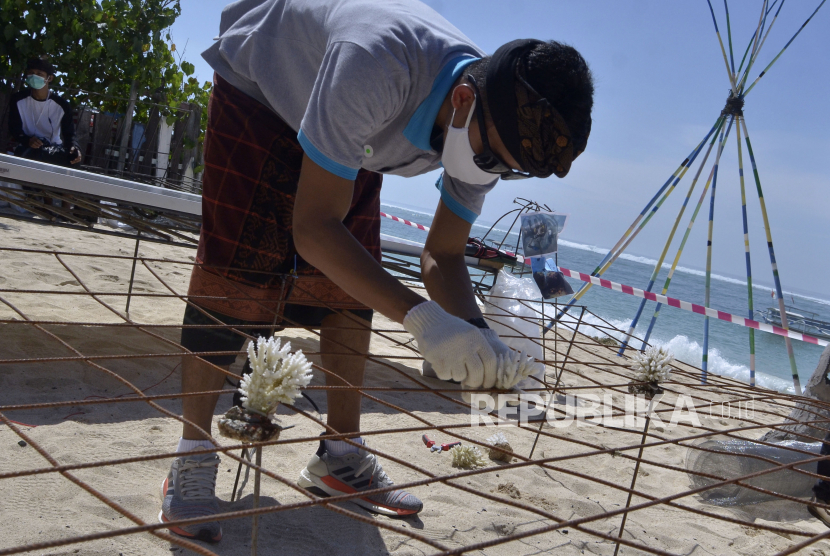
41 121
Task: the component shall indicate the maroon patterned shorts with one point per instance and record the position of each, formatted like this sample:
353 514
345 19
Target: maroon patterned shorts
247 265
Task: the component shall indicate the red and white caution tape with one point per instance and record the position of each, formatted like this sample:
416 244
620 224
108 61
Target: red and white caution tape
692 307
670 301
404 221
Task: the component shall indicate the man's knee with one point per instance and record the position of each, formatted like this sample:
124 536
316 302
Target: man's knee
199 337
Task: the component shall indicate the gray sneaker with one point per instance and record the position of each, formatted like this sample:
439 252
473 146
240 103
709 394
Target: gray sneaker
327 475
189 492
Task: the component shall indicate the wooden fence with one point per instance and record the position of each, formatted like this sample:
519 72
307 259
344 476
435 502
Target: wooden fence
157 153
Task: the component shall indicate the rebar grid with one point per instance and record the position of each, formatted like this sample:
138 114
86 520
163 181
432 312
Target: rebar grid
571 463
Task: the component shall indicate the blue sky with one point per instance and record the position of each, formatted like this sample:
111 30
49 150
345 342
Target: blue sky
660 84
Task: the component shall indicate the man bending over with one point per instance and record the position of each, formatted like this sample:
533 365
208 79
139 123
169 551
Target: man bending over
313 101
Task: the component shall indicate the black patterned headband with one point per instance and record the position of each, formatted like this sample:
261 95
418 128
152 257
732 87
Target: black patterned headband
532 130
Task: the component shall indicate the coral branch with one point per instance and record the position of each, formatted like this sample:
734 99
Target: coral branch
467 457
277 376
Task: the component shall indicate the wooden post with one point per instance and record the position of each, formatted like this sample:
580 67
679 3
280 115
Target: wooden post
82 135
101 140
174 172
143 161
163 154
4 126
128 125
191 134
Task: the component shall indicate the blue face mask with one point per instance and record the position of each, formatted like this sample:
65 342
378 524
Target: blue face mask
35 81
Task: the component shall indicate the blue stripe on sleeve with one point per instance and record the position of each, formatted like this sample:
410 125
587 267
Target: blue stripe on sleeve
457 208
323 161
419 128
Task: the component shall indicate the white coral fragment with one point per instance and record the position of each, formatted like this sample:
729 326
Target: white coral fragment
496 439
499 440
652 365
514 367
277 376
467 457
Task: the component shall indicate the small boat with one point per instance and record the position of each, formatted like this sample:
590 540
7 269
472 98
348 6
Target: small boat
802 321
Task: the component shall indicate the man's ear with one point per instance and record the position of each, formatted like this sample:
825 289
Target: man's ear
462 96
462 101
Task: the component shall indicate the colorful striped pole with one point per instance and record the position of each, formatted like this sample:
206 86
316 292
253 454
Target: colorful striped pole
738 79
750 307
764 25
678 254
683 165
783 49
723 50
757 36
756 45
752 41
634 229
729 37
662 257
775 277
708 283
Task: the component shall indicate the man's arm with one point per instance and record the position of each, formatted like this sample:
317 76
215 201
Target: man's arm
16 122
322 202
442 264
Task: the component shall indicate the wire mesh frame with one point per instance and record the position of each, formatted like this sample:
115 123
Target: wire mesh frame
576 369
84 212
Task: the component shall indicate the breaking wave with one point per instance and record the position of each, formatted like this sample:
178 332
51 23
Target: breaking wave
684 349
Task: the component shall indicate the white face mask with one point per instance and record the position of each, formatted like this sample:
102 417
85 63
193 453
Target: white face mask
458 154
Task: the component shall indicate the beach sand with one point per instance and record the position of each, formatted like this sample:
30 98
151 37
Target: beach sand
45 507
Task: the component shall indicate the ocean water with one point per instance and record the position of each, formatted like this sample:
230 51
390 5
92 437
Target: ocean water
679 331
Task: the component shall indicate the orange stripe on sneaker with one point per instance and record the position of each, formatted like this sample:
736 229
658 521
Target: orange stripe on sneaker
183 533
331 482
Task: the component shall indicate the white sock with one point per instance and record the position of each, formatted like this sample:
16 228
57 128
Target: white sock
341 448
190 445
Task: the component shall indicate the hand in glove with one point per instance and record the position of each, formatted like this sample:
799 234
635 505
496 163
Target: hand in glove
502 351
512 368
456 349
515 366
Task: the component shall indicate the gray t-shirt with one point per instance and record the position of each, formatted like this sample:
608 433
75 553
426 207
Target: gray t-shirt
361 81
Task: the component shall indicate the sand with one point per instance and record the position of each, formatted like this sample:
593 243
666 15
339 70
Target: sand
46 507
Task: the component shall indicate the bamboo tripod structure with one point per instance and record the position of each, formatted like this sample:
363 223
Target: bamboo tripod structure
731 115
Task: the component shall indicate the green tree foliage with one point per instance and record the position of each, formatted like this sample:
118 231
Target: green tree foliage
99 48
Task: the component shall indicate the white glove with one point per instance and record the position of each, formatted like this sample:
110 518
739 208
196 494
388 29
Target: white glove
513 367
502 351
456 349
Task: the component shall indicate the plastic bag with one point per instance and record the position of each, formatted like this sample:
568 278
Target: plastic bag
549 279
734 458
540 232
507 316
